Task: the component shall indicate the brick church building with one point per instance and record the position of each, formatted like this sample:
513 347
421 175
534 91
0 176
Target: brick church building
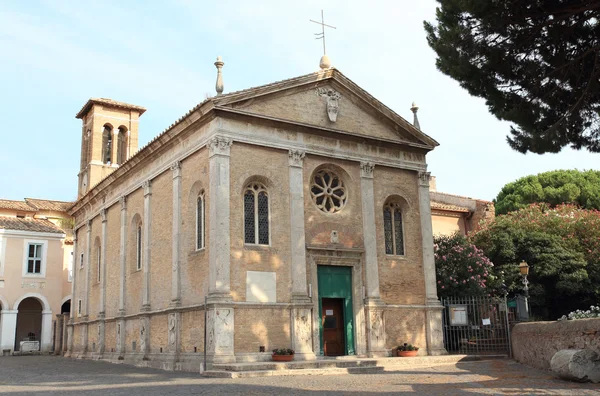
294 215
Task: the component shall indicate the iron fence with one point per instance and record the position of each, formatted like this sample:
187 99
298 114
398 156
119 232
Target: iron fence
476 325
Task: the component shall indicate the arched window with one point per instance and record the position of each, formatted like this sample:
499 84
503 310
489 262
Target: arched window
200 222
138 247
256 214
122 145
107 144
98 262
393 229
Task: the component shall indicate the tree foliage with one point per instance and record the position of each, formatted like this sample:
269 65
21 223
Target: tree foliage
535 62
461 268
581 188
562 247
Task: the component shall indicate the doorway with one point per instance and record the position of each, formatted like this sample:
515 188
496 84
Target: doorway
29 321
336 325
332 321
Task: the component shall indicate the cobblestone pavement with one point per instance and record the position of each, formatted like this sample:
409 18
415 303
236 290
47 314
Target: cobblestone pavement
48 375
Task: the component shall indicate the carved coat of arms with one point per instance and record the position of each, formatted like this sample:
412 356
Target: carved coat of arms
333 101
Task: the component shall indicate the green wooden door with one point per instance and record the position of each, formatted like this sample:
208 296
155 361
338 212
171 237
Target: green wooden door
336 282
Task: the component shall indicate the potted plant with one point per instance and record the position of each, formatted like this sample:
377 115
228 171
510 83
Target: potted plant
407 350
283 355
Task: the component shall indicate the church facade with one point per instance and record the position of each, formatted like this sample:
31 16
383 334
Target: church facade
291 215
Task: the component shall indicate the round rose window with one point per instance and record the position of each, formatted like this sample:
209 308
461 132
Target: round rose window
328 191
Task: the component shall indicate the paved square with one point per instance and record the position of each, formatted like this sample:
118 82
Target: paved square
48 375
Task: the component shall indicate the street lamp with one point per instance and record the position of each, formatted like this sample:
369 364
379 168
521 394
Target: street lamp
524 269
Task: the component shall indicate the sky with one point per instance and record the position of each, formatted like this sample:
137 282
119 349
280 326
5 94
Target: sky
55 55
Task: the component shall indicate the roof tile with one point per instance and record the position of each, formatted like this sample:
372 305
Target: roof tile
15 205
28 224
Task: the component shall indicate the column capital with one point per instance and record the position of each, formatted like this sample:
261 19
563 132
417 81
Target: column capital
123 202
424 179
103 213
219 145
296 158
366 169
176 169
147 185
89 226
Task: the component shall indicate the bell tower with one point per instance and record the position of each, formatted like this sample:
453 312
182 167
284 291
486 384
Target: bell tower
109 137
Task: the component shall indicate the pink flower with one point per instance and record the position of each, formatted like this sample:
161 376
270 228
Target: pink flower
439 282
442 287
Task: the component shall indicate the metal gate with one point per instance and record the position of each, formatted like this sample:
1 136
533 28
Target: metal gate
476 326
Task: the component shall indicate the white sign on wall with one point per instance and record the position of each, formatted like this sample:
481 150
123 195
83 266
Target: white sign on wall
261 286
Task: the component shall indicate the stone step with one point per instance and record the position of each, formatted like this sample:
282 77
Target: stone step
336 366
296 365
293 372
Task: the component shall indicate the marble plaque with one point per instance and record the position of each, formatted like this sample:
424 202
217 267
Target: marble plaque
261 286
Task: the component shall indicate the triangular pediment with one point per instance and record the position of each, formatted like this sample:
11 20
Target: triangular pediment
326 100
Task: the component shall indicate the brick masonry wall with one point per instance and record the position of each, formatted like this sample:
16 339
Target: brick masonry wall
110 336
194 264
113 261
133 276
401 278
192 331
269 327
269 166
159 333
162 241
535 343
405 326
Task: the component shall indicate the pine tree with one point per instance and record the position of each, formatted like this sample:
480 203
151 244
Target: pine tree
535 62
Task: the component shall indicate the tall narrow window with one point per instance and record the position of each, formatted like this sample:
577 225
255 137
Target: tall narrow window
138 247
71 266
34 258
256 214
393 229
107 144
122 145
98 262
200 222
81 261
79 307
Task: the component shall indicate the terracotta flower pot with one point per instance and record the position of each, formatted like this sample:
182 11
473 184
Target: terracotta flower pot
282 358
407 353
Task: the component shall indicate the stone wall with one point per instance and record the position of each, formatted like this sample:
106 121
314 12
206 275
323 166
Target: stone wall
535 343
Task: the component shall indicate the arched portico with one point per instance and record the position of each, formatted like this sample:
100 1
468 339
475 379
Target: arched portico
33 317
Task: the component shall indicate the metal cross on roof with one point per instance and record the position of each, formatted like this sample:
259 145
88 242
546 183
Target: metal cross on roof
322 34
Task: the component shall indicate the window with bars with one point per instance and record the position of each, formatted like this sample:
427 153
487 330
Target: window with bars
138 247
393 229
256 214
200 223
34 258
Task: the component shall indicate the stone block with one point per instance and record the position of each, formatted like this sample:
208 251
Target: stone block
582 365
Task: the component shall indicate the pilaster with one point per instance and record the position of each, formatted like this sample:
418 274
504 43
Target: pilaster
301 313
373 303
102 269
147 239
74 294
219 243
87 269
433 312
123 255
46 336
8 321
220 312
176 244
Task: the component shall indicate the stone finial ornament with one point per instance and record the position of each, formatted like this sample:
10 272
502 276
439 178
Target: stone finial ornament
325 62
219 85
333 101
414 109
